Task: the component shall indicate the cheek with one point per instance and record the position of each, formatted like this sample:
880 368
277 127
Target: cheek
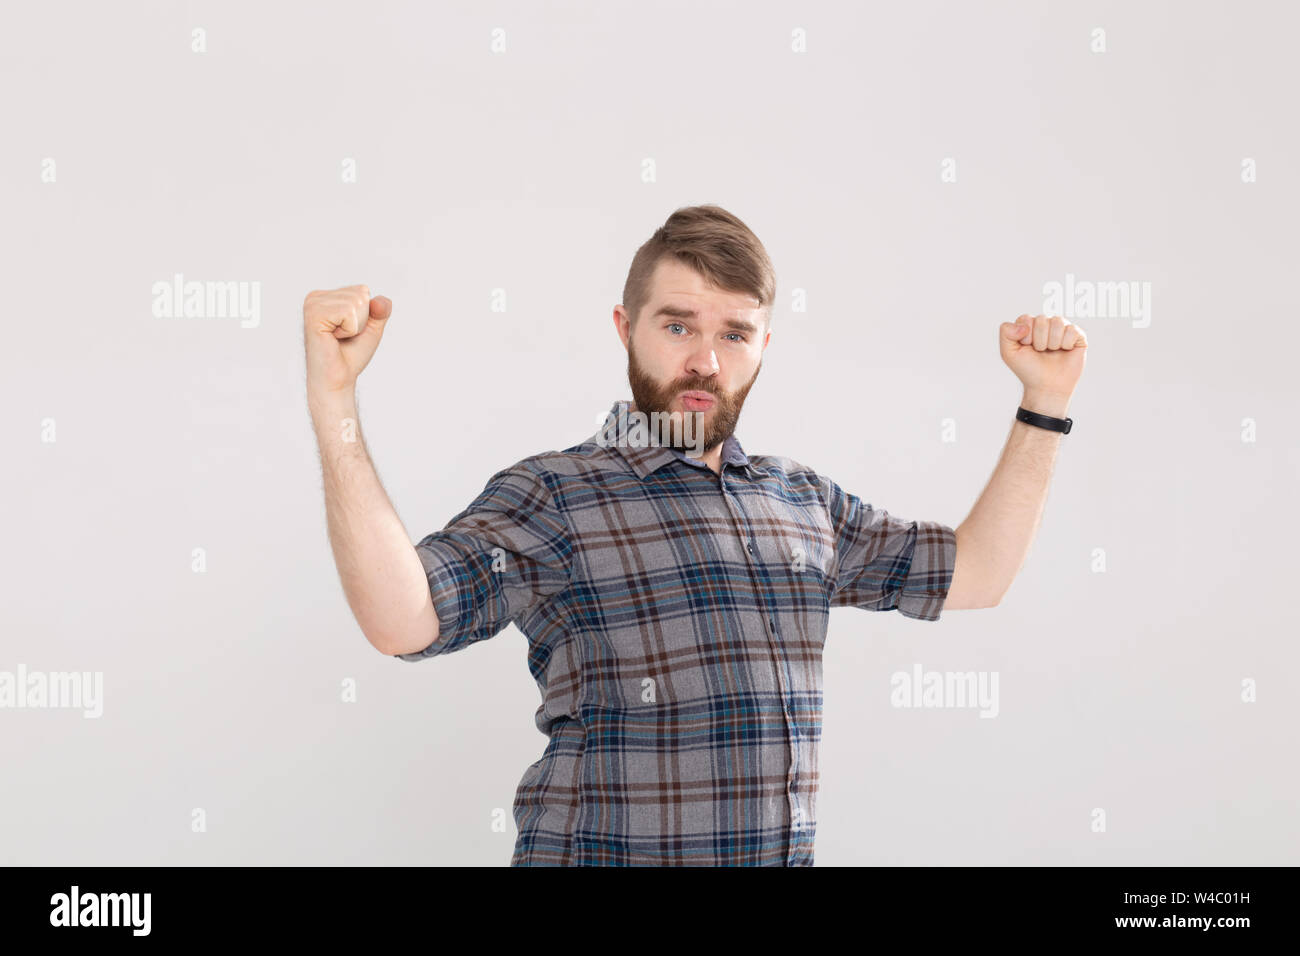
736 375
661 365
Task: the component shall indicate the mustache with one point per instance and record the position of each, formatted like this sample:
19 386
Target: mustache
709 387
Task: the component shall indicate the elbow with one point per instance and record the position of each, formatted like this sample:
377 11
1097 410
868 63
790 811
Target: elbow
395 645
969 602
383 645
408 637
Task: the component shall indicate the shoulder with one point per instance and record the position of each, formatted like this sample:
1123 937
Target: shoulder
577 461
560 472
787 471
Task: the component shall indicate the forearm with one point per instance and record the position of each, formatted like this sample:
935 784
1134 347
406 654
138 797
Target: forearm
994 540
381 573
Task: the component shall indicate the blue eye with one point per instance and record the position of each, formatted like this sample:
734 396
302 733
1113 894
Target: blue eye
737 337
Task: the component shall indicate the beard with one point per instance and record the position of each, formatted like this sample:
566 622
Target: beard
719 422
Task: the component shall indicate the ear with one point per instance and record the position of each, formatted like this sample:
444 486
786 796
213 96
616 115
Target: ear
622 323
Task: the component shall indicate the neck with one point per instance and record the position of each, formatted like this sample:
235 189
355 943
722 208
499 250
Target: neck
713 458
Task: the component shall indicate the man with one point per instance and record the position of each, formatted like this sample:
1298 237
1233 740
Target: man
674 590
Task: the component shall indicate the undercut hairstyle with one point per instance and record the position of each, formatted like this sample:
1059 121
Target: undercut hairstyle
714 243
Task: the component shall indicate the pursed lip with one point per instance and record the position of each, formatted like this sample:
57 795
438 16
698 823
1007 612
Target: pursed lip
701 396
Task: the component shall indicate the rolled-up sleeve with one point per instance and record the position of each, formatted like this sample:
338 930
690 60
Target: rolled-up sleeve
884 562
508 551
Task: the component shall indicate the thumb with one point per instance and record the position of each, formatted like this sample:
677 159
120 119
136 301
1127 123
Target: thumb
1009 336
381 307
1012 334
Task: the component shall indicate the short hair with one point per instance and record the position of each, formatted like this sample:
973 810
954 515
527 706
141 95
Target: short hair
713 242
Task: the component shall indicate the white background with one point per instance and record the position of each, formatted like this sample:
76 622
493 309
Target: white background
523 170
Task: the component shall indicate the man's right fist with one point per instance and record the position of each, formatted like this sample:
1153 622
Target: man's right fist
341 330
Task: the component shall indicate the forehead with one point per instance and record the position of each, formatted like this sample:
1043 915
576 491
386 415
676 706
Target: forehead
681 292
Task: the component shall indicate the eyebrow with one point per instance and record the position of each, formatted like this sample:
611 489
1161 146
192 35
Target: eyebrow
677 312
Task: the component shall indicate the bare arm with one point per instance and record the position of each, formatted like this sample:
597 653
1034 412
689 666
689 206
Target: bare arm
382 575
994 540
1047 354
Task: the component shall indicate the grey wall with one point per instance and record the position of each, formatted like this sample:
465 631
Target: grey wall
525 170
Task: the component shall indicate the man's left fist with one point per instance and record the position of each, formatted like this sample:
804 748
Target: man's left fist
1045 351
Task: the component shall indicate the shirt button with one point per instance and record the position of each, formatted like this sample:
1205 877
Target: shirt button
749 546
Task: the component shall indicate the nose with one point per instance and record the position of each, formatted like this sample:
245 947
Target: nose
703 362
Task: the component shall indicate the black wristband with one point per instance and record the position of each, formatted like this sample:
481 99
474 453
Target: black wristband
1061 425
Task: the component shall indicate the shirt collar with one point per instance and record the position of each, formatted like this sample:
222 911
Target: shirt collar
647 459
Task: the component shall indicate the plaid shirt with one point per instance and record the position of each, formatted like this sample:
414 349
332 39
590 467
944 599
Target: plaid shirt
675 621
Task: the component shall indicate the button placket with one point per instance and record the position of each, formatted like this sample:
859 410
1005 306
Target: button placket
792 733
